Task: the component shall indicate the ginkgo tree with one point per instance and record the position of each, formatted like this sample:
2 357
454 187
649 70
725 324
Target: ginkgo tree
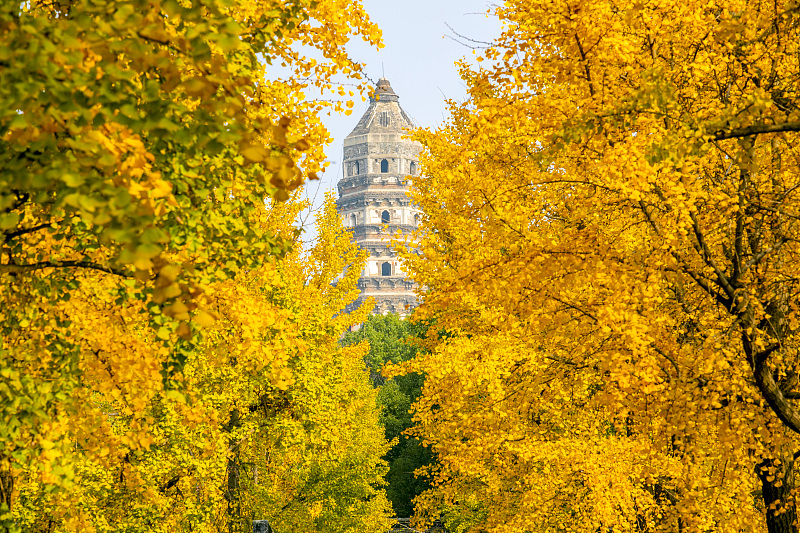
271 418
610 245
140 141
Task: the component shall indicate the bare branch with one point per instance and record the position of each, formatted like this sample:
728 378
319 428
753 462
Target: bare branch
464 37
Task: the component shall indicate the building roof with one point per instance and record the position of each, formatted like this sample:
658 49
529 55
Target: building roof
384 113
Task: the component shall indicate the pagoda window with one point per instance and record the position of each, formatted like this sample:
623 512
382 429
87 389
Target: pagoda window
413 168
352 220
384 166
386 269
385 217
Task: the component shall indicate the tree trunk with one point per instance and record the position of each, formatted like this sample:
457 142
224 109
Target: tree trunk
6 491
232 481
777 482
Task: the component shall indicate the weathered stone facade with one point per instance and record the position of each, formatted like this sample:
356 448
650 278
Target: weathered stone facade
373 201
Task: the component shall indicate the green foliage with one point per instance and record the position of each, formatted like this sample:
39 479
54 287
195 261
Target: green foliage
392 339
386 335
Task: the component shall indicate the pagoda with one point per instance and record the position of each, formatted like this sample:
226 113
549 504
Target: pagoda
373 198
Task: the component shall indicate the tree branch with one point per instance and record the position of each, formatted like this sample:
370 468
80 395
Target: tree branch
12 234
684 267
763 253
31 267
722 279
774 396
755 129
740 216
169 484
585 65
765 381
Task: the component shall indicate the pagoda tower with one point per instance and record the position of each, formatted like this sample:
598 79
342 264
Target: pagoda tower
373 201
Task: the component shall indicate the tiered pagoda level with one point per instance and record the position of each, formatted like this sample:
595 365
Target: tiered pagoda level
372 197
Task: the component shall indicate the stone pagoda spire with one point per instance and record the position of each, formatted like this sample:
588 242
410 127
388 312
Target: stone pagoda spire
372 197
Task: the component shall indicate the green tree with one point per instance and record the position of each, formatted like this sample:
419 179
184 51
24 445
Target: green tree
392 339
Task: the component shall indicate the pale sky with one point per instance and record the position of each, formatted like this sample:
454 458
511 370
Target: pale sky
418 59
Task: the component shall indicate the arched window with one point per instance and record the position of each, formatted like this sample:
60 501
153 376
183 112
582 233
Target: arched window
413 168
352 220
386 269
385 217
416 219
384 166
356 168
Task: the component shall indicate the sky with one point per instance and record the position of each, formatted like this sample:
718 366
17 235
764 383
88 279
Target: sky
422 44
